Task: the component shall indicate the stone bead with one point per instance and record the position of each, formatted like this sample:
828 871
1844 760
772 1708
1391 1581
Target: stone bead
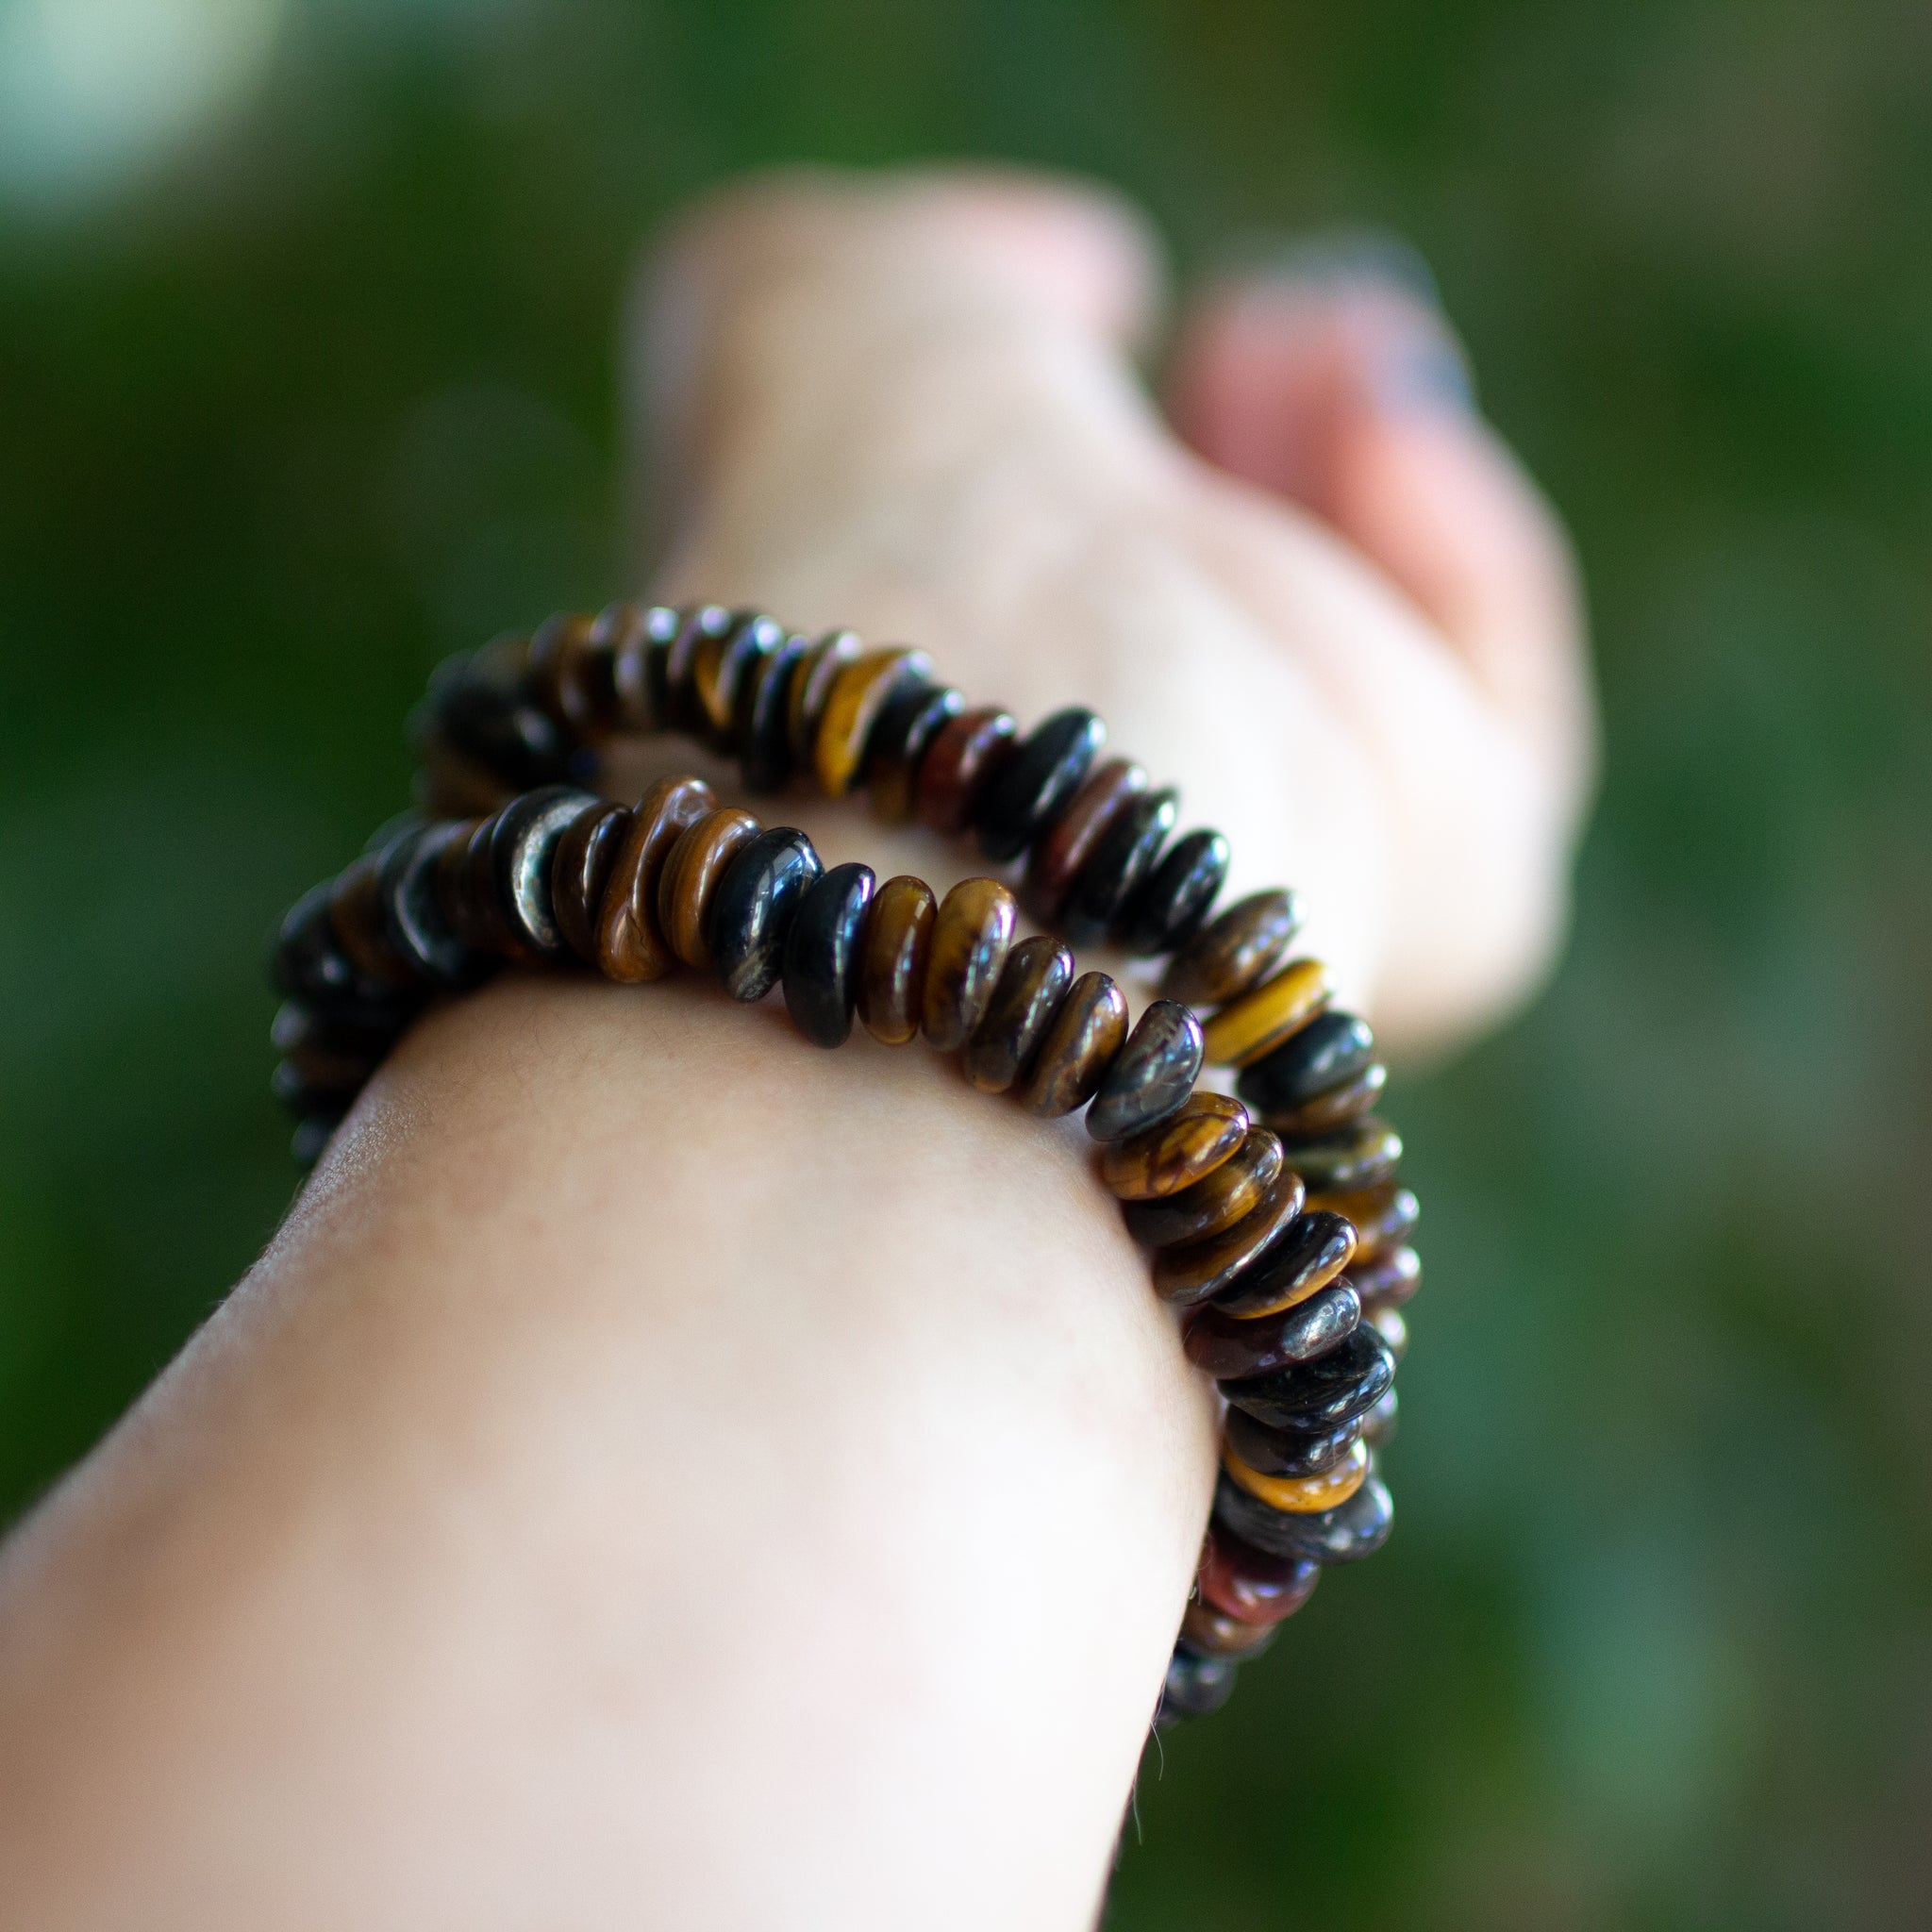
1233 950
1174 905
555 676
725 667
1389 1280
585 857
1357 1529
1229 1348
1265 1015
1314 1248
1056 861
821 953
1033 786
1302 1496
1290 1452
480 711
1359 1155
1217 1202
588 682
860 692
632 947
1210 1631
1088 1031
328 1058
1391 1327
1384 1217
308 1142
688 881
448 785
1195 1685
761 728
1178 1151
1244 1582
478 914
1335 1109
1186 1276
1151 1074
310 1100
900 741
1031 985
356 915
970 941
419 930
811 689
959 766
894 950
523 849
638 668
752 909
465 903
699 625
1378 1425
1333 1048
1322 1394
1118 868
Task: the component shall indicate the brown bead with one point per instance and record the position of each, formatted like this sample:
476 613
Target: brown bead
450 784
1233 950
1338 1107
719 671
1389 1280
900 741
1265 1015
1057 859
355 914
585 855
1088 1032
641 641
965 755
893 951
1302 1496
1383 1217
1178 1151
460 910
699 624
859 692
689 880
483 922
1305 1260
1230 1348
811 687
561 672
1201 1270
1215 1203
1035 980
631 946
1210 1631
970 941
1350 1160
1249 1584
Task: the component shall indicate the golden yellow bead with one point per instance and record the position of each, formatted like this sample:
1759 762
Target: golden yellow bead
1262 1017
1302 1496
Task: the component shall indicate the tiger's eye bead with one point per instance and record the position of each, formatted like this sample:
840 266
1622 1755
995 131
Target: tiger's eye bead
894 950
900 741
1384 1217
1121 861
354 911
1247 1583
1229 1348
725 667
564 671
523 847
1184 1276
1302 1496
1314 1248
1151 1074
821 953
1088 1031
631 945
585 857
1210 1205
811 689
1057 859
970 941
1265 1015
1233 950
689 880
1332 1048
480 711
761 727
1321 1394
1032 787
1178 1151
1335 1109
1389 1280
467 886
859 692
957 767
750 912
1195 1687
1035 980
1213 1632
641 644
1357 1529
1289 1452
1173 906
1391 1327
702 624
1378 1425
1360 1156
408 885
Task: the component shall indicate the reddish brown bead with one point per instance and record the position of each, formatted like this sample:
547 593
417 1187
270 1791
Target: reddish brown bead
1383 1217
1389 1280
893 951
1229 1347
1178 1151
689 882
1201 1270
1210 1631
631 946
1247 1583
970 941
964 757
354 914
1070 842
1214 1203
1038 972
1233 950
1087 1033
585 857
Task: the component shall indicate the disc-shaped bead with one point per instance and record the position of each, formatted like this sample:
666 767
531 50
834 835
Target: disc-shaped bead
1174 905
1384 1217
1332 1048
1178 1151
698 626
1056 861
761 727
970 941
569 661
1265 1015
1088 1031
325 1056
480 711
355 913
896 949
959 765
1390 1279
1314 1248
1357 1529
1200 1270
723 668
1290 1452
1033 786
1121 858
688 881
1392 1325
1321 1394
1151 1074
821 953
418 928
1241 1581
860 692
523 847
1228 1347
632 945
1214 1203
585 857
1031 985
750 912
1211 1632
1303 1495
638 665
900 740
1195 1685
1363 1154
811 689
1233 950
1335 1109
1378 1425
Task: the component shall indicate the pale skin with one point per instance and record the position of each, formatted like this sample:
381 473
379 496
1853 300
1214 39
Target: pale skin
663 1474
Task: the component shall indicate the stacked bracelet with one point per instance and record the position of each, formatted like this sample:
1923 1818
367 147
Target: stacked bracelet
1282 1237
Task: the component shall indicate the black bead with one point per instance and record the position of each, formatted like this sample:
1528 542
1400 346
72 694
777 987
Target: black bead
1345 1534
308 961
1311 1246
764 743
752 639
306 1143
1288 1451
1331 1048
412 915
1229 1347
679 706
1151 1074
1175 902
326 1051
909 723
307 1098
1322 1394
821 953
523 848
1032 786
1363 1154
481 712
1105 885
1195 1685
757 901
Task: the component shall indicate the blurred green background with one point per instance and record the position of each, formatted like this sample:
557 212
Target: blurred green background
308 376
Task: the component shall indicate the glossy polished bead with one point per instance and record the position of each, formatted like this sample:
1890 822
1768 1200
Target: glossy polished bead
860 692
1210 1631
689 882
523 847
585 857
1378 1425
1194 1687
1303 1495
464 893
1322 1394
957 768
1357 1528
811 689
1329 1050
589 684
1335 1109
355 913
631 945
699 625
1384 1217
761 727
1057 859
1031 985
1033 786
899 744
1175 902
1212 1203
1088 1031
1178 1151
895 951
1201 1270
752 905
1118 868
1390 1324
637 672
1233 950
1290 1452
1266 1015
725 667
1389 1280
481 713
970 941
1228 1347
557 673
1363 1154
1241 1581
419 931
821 953
1314 1248
1151 1074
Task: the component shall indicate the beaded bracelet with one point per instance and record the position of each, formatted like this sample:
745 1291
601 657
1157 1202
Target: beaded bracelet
1252 1221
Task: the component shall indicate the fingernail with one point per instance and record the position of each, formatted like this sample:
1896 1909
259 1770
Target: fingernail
1333 255
1418 377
